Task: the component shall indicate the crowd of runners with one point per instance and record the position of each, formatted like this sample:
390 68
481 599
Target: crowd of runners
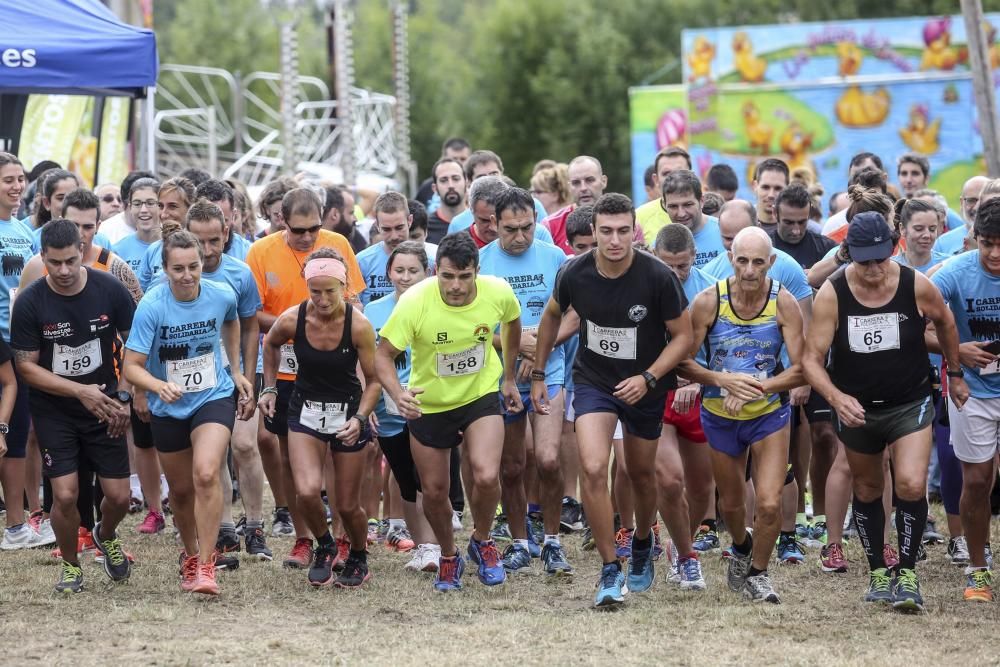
528 363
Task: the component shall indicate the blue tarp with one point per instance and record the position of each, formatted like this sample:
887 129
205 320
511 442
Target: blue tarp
73 46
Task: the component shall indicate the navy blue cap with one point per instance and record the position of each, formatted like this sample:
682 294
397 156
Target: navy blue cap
869 237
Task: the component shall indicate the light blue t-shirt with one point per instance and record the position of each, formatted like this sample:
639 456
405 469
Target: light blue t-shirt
378 312
707 243
132 249
786 271
152 261
951 243
954 220
974 298
698 281
464 220
936 258
17 246
183 344
373 262
532 276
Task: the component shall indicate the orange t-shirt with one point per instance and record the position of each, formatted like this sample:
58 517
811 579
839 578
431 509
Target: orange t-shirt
278 271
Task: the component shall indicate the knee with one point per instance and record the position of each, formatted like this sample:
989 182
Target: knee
548 464
732 500
117 497
867 491
670 484
911 489
976 485
482 479
512 471
205 476
65 500
245 451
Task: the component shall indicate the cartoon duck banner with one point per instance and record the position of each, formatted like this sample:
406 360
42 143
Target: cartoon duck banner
814 94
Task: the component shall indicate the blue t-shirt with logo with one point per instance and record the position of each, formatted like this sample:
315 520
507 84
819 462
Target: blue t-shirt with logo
378 312
132 249
152 261
373 262
532 276
707 243
183 342
17 246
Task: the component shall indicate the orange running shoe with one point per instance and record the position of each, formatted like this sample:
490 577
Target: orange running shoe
979 585
205 580
343 551
189 571
301 555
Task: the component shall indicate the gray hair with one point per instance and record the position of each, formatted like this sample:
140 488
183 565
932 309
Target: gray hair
486 189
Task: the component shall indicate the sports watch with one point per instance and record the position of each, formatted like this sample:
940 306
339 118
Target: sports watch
650 379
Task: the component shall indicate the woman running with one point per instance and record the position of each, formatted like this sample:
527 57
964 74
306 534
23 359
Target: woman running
327 408
174 353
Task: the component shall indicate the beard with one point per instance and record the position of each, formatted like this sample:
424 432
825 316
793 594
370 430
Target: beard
452 198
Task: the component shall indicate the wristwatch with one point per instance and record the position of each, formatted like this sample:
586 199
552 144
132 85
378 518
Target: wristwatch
650 379
123 396
362 419
4 429
959 373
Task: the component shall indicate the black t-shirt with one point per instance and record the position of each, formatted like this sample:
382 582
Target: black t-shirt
437 228
621 320
812 248
77 336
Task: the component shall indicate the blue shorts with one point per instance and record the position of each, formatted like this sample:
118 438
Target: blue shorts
645 422
528 405
734 436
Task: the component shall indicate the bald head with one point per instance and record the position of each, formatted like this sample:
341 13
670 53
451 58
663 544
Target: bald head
752 241
971 192
752 256
735 216
586 180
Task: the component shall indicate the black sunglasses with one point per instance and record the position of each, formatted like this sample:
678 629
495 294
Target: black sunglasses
304 230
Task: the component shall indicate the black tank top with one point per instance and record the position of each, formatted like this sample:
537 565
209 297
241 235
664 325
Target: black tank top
327 375
878 355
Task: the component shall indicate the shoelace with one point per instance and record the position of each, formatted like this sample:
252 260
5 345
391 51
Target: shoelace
448 569
836 552
323 558
981 578
880 581
207 569
302 548
609 577
907 581
691 567
71 572
189 570
114 550
623 537
489 554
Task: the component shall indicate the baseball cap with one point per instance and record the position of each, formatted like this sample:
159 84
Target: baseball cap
869 237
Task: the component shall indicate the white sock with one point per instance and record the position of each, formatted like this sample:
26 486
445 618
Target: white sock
396 523
164 487
522 543
134 487
552 539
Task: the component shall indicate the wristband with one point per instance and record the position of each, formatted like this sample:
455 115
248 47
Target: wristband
956 373
269 390
538 376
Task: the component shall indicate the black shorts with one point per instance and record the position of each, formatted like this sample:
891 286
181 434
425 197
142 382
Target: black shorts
20 421
66 439
884 426
816 408
174 435
142 432
645 423
295 404
443 430
278 424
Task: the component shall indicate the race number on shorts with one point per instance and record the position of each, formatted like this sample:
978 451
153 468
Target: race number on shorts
325 418
288 364
70 361
611 342
873 333
195 374
465 362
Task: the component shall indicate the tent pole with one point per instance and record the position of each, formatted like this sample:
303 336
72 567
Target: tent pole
150 108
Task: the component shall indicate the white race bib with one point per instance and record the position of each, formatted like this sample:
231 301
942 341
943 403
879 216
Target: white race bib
197 374
390 405
762 375
990 369
288 365
325 418
75 361
611 342
465 362
873 333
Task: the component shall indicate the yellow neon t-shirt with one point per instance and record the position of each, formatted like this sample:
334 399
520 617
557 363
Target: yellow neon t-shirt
651 217
452 354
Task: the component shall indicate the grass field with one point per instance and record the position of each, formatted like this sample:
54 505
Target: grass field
269 615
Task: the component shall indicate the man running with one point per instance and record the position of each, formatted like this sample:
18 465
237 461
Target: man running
634 329
392 215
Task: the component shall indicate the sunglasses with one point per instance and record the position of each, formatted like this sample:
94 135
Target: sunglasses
107 199
299 231
873 262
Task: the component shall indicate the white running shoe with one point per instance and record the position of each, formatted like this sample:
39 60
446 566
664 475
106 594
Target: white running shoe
425 558
456 521
46 535
22 537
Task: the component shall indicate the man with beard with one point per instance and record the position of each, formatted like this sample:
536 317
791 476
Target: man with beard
338 216
449 185
392 215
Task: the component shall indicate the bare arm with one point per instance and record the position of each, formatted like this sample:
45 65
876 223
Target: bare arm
8 386
248 344
825 268
121 270
32 271
364 340
265 321
283 328
92 396
548 329
510 340
231 343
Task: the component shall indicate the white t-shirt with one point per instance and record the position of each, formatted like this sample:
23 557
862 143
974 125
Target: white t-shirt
116 228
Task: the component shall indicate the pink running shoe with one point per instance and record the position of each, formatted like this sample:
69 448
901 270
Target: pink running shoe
152 524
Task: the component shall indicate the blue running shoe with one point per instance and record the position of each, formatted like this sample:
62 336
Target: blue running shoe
555 561
691 578
640 568
609 587
516 559
789 551
706 539
486 556
532 525
449 575
623 543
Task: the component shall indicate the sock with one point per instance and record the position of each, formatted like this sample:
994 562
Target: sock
325 541
615 564
252 525
753 572
642 545
800 519
522 543
133 485
552 539
870 518
788 533
227 527
710 524
396 523
359 555
534 508
911 518
746 547
819 518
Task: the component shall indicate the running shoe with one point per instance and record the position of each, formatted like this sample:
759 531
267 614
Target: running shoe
301 554
501 531
571 515
803 531
116 564
343 551
456 521
610 587
517 559
817 535
205 582
587 541
189 571
152 524
706 539
554 560
906 591
485 555
879 586
424 558
398 539
640 568
372 531
70 579
931 534
890 556
691 577
739 566
978 585
958 550
134 504
256 544
789 550
623 542
46 535
449 576
759 588
321 570
355 572
35 520
227 542
536 529
241 525
831 558
225 561
281 523
657 547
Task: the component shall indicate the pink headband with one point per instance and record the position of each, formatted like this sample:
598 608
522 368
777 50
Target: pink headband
326 267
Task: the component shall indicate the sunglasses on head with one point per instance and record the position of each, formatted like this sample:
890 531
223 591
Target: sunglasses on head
298 231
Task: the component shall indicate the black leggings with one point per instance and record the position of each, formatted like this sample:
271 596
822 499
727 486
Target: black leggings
396 449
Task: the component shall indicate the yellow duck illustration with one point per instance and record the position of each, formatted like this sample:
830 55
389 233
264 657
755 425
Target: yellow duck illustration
921 134
758 134
939 53
795 143
700 59
849 58
859 109
750 67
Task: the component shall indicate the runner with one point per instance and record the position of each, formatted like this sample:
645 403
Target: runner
392 215
449 184
951 242
743 412
770 177
879 386
447 322
143 207
327 409
175 354
66 333
917 226
634 328
653 215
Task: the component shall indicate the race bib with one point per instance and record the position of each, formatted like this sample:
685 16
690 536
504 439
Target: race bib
390 405
197 374
991 369
70 361
465 362
325 418
762 375
611 342
873 333
288 364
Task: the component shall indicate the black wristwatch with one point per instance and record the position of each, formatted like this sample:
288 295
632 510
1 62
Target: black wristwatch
650 379
4 429
956 373
123 396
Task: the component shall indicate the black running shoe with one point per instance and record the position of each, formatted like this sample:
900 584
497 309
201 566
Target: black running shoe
227 542
116 563
257 545
355 572
321 570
